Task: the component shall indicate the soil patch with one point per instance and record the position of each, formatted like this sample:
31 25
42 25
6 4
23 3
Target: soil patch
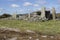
16 34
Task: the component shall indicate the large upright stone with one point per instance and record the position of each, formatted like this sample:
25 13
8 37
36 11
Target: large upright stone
29 15
43 17
53 13
14 16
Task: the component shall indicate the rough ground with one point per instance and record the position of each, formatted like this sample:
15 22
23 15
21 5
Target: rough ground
16 34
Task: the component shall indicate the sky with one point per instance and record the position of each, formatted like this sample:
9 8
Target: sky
27 6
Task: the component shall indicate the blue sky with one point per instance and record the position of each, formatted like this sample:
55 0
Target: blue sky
25 6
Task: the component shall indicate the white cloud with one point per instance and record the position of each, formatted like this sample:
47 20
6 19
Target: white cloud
36 5
41 1
14 5
27 4
29 9
1 9
20 10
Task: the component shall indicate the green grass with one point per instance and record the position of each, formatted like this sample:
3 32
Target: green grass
48 27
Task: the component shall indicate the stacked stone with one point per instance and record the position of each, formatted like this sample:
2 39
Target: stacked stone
53 13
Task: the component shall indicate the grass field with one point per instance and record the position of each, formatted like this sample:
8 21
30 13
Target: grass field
48 27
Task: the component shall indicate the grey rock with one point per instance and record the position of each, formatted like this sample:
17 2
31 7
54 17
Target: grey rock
10 29
14 38
29 31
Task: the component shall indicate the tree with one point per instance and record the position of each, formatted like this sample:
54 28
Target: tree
5 15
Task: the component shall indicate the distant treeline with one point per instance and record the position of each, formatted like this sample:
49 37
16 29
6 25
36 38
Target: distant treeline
5 15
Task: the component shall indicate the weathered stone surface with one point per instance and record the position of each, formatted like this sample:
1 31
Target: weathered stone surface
14 16
9 29
29 15
43 17
9 34
14 38
54 13
30 31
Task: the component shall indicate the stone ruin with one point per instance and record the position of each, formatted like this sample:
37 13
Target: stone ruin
42 15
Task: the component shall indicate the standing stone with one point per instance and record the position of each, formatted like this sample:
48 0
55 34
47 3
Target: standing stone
43 17
14 16
29 15
53 13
